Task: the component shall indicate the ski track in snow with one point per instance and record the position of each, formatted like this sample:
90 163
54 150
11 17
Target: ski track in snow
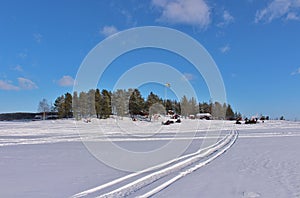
211 152
93 190
189 171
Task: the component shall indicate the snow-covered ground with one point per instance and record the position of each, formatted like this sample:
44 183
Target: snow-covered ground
48 159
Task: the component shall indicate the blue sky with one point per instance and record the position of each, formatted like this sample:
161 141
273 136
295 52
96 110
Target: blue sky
255 44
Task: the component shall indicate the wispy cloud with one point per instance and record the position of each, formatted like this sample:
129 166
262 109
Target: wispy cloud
108 30
23 84
279 9
293 16
37 37
4 85
225 49
227 19
187 12
66 81
129 18
297 72
18 68
188 76
22 55
26 84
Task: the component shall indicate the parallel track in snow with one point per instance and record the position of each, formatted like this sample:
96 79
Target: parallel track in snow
181 166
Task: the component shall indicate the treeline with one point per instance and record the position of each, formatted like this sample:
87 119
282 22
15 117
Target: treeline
16 116
102 104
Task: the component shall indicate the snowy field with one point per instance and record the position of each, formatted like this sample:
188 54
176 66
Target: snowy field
48 159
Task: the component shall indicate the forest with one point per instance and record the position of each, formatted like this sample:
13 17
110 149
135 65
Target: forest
102 104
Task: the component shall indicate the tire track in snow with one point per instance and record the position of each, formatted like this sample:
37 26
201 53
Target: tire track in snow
170 167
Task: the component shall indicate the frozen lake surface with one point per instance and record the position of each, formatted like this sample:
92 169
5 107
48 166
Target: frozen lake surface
48 159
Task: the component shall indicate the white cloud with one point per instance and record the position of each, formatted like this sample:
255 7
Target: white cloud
109 30
66 81
292 16
189 76
26 84
225 49
130 21
22 55
188 12
8 86
227 19
38 37
160 3
297 72
18 68
285 9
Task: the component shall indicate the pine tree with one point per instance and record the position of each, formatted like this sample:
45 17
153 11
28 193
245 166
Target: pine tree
59 106
68 113
91 108
177 107
229 113
75 106
151 100
168 105
204 108
98 103
105 104
136 102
